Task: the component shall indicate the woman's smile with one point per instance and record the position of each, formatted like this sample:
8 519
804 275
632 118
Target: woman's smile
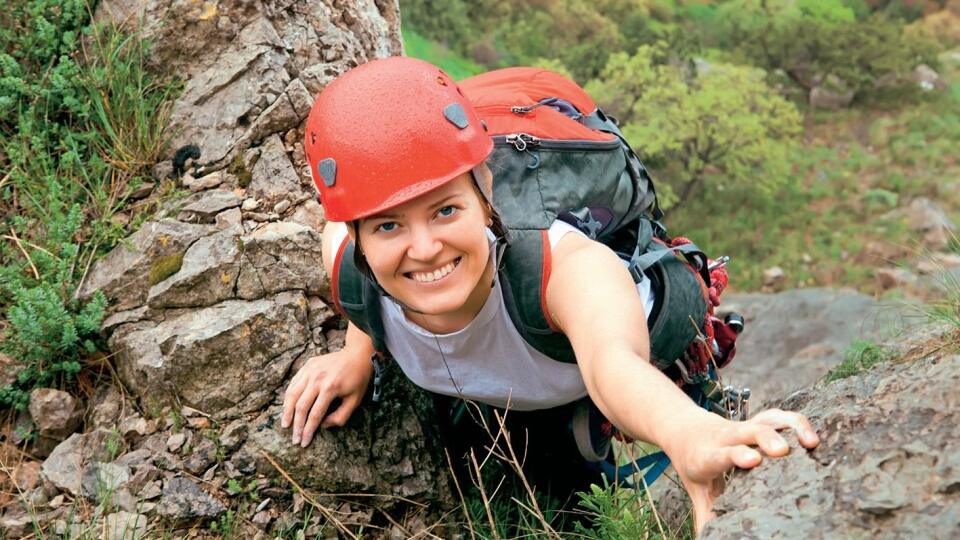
435 275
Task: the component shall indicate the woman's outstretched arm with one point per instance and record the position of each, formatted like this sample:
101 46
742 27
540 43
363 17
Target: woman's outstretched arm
593 299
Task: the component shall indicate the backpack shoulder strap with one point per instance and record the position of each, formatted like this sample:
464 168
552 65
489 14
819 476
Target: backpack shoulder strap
524 274
356 297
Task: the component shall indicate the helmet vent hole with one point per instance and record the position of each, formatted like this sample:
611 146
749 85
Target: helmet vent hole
441 81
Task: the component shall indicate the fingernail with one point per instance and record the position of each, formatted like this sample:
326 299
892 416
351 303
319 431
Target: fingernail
778 445
304 442
295 439
284 424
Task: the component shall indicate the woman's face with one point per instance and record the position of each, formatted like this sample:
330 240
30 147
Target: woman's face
431 253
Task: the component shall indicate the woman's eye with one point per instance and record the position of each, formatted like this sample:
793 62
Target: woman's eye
386 226
447 211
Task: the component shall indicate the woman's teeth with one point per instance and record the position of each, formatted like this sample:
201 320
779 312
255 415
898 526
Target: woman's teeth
427 277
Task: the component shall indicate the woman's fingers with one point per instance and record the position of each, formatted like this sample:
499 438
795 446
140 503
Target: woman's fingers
778 419
316 415
290 401
301 411
340 416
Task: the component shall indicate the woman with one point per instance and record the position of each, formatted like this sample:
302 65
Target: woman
421 222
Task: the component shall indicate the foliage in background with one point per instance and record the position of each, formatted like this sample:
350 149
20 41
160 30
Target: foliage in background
813 41
455 65
706 125
81 123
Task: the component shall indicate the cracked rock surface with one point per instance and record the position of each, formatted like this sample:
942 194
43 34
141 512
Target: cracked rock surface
224 359
887 466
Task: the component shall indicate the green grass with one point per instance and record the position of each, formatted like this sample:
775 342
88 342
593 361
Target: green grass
80 127
456 66
859 357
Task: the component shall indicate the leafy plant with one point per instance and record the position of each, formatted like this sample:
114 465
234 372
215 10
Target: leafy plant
716 126
78 127
812 40
617 513
859 357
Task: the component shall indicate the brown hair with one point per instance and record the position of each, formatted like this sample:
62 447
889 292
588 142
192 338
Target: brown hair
497 226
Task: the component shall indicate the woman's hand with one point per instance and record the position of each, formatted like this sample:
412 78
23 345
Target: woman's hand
342 375
702 452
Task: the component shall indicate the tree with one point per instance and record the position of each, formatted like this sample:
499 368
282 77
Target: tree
717 125
812 40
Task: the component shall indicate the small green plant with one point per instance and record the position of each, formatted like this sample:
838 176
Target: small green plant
81 120
225 526
114 443
620 513
859 357
248 490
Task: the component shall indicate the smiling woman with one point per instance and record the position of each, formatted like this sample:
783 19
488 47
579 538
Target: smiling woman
410 195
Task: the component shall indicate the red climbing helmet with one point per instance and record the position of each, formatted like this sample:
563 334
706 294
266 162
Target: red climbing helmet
388 131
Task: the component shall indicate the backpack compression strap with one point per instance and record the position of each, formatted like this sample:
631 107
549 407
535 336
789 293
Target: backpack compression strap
357 297
524 274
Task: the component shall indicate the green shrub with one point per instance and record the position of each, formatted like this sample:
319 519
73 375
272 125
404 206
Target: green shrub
809 40
77 128
722 128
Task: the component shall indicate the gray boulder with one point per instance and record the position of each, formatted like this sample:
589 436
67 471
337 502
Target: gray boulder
219 104
388 447
831 94
56 413
65 465
207 275
793 338
224 359
184 500
278 257
204 207
273 177
886 466
149 256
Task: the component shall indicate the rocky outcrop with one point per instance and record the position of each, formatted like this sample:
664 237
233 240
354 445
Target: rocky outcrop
793 338
210 309
251 65
387 448
886 466
224 359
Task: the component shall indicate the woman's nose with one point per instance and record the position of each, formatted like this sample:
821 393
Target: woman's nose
424 244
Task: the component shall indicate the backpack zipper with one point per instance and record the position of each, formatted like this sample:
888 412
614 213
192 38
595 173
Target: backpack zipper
523 141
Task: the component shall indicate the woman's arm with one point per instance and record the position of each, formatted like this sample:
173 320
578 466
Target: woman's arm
343 374
593 299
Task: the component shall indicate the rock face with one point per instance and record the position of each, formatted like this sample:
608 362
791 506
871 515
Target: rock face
793 338
886 467
250 65
224 359
371 454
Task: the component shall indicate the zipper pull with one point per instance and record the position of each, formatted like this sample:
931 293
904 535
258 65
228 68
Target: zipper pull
521 141
377 377
524 109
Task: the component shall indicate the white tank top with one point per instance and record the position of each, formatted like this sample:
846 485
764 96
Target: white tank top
487 361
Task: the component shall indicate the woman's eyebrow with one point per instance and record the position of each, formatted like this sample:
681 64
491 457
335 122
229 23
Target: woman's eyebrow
446 199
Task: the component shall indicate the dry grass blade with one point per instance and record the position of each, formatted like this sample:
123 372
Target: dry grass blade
463 502
483 495
16 240
518 468
323 509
